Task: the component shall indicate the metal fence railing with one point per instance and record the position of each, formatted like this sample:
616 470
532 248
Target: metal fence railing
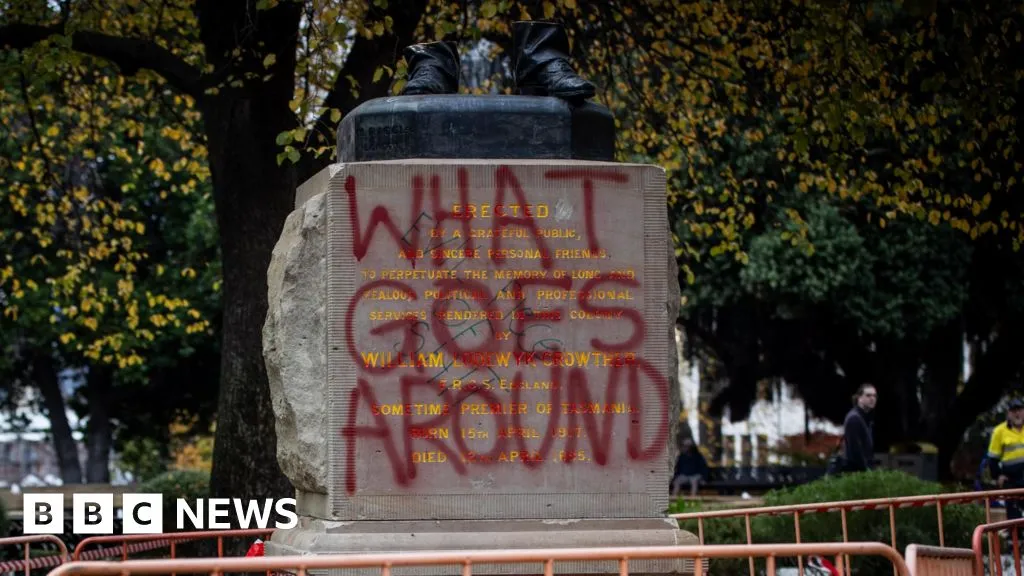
55 553
542 561
843 508
990 532
135 543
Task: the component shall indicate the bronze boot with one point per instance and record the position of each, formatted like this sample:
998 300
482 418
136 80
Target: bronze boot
433 68
541 62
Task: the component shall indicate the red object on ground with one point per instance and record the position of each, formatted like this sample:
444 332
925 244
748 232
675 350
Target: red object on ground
256 549
824 563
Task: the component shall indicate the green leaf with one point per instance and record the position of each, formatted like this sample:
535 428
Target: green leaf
800 143
269 60
488 9
377 74
284 138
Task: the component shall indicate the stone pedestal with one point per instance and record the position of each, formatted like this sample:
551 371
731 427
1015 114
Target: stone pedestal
460 126
469 354
326 537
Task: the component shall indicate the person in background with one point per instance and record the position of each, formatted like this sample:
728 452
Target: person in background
1006 454
691 467
858 430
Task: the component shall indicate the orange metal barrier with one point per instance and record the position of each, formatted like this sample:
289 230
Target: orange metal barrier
28 563
937 561
995 556
130 543
466 559
844 507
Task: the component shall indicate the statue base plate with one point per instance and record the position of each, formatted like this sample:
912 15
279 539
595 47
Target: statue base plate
315 536
466 126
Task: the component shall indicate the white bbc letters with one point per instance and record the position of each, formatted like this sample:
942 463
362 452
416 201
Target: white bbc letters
142 513
216 512
93 513
43 513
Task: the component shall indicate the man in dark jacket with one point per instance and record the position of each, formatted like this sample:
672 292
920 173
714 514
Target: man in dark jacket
691 467
858 430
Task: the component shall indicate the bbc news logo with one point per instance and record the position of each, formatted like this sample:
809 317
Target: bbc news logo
143 513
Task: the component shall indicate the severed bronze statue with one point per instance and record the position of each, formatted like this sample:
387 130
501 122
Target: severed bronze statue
540 64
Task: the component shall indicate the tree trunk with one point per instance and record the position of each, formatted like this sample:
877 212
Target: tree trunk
944 365
896 413
99 433
253 197
994 368
46 378
253 194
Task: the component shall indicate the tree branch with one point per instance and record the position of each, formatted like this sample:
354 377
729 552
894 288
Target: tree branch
710 340
129 54
361 62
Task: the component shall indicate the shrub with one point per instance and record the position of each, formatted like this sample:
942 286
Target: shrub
7 552
684 505
143 458
722 531
187 484
913 525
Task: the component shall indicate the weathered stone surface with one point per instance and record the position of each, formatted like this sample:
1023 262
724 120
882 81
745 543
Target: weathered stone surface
672 302
325 537
465 126
294 345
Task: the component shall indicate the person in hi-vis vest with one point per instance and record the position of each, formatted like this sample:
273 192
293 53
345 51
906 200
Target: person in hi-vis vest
1006 455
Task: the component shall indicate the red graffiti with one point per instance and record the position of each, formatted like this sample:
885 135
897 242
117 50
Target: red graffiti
638 321
554 397
411 427
351 432
379 216
505 182
600 434
441 214
598 427
403 325
506 179
483 353
557 314
441 304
